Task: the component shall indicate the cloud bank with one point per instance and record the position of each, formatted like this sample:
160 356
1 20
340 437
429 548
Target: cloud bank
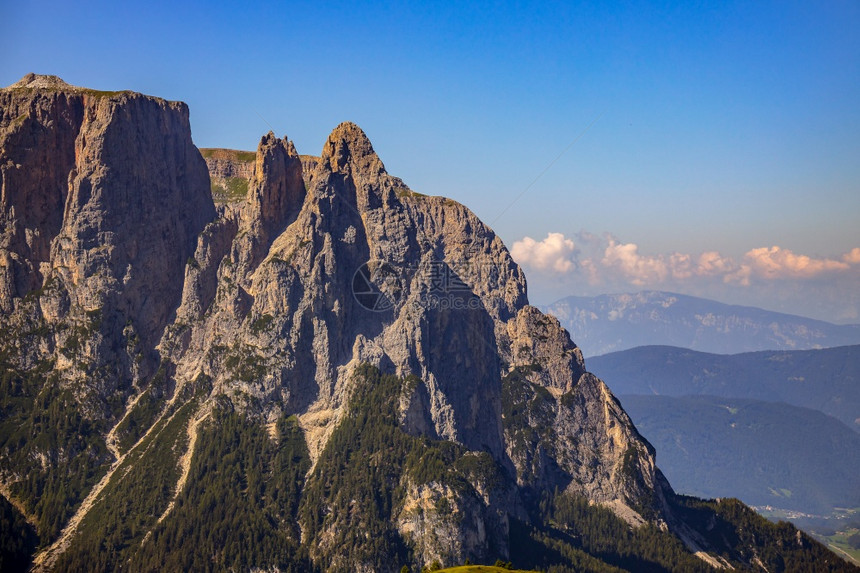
764 276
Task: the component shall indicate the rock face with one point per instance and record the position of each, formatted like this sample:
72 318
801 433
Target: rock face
230 173
103 197
38 133
225 163
164 323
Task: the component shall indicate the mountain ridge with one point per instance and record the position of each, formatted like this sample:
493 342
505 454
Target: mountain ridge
765 453
824 379
610 323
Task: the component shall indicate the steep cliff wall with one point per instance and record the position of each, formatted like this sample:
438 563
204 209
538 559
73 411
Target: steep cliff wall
104 193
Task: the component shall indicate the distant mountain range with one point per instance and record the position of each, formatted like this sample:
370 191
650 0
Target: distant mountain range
613 322
764 453
827 380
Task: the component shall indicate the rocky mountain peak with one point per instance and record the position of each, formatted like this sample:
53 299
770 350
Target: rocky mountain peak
265 301
276 186
103 198
348 145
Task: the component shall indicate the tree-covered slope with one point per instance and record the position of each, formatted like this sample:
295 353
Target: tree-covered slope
250 503
764 453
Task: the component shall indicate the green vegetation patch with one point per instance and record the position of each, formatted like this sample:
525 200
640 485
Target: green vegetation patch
246 156
845 543
229 154
482 569
579 536
740 534
239 506
245 364
147 408
130 504
528 412
40 420
101 93
575 535
80 332
406 192
234 189
18 539
262 323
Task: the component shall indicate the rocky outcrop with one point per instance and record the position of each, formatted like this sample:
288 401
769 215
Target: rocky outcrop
275 196
454 315
230 173
266 299
133 212
103 198
225 163
309 167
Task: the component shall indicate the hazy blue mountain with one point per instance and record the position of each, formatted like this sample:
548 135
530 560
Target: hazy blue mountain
827 380
612 322
764 453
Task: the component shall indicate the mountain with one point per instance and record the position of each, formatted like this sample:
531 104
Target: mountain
615 322
765 453
324 372
824 380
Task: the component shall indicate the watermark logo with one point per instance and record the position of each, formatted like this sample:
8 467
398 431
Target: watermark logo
380 286
377 286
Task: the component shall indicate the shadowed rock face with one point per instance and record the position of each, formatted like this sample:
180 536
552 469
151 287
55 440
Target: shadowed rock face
108 223
37 154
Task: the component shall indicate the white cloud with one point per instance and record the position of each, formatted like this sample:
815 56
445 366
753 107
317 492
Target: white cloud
638 269
712 263
555 253
852 257
776 263
606 259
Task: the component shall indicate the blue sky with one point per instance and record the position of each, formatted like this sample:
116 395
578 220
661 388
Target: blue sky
715 127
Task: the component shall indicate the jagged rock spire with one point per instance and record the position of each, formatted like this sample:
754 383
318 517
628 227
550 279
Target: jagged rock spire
348 145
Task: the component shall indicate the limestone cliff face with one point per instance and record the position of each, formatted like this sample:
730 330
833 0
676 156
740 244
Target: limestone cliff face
133 212
104 196
38 129
267 305
225 163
